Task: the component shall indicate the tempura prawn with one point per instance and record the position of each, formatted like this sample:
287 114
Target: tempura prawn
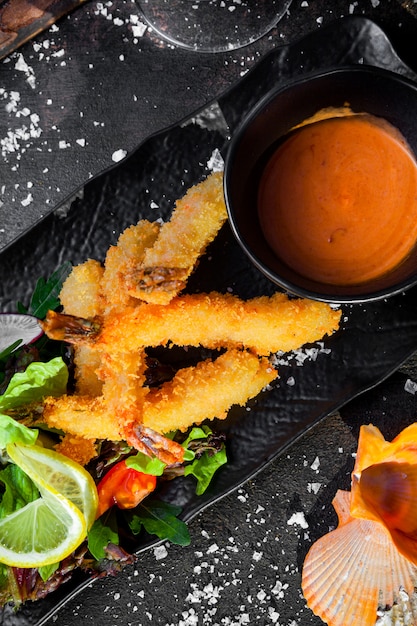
264 324
206 391
167 264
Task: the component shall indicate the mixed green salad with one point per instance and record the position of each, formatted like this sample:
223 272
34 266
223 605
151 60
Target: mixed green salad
55 515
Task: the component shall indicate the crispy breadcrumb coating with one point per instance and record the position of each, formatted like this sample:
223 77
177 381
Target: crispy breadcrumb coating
77 448
122 259
195 221
207 391
264 324
112 315
81 295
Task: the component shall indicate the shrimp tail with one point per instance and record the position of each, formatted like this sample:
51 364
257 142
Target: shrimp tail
63 327
165 279
153 443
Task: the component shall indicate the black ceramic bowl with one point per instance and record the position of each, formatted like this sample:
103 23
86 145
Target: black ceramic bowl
366 89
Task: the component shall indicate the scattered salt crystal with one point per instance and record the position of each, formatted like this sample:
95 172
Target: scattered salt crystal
278 589
21 64
261 595
139 29
118 155
160 552
216 162
26 201
410 386
313 487
298 519
315 464
291 381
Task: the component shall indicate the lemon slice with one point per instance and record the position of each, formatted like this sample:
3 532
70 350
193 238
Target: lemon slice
49 529
42 532
56 472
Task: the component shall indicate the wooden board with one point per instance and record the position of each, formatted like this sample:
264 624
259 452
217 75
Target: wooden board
20 20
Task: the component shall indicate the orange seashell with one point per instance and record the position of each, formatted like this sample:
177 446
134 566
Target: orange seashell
384 485
355 569
390 489
372 447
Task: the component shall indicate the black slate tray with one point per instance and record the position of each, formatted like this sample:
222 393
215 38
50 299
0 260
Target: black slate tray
375 338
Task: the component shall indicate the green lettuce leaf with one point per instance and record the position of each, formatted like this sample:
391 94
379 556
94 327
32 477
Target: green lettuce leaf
19 490
197 432
204 468
36 382
46 571
160 518
103 532
46 293
12 431
148 465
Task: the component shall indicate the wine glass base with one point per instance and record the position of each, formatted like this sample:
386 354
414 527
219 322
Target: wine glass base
212 25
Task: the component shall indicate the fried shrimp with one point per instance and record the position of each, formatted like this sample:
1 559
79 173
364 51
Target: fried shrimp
264 324
81 295
194 223
84 416
123 259
112 314
81 291
90 418
207 391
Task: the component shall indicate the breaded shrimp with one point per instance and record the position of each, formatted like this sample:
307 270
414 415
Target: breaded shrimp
84 416
78 449
207 391
81 295
194 223
90 418
124 387
124 258
264 324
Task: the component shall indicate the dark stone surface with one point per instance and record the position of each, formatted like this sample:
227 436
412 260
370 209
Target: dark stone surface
71 98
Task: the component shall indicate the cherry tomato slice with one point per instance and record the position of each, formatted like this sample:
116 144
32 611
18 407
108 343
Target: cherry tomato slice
123 486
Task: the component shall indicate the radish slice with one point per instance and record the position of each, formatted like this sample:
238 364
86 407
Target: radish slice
15 326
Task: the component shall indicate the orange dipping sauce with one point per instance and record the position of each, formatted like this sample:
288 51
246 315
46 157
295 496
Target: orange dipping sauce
337 201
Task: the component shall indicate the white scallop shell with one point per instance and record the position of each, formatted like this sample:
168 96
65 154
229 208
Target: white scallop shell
354 570
16 326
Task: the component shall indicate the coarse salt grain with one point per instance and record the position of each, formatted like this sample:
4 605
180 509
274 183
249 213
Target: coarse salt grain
118 155
315 464
298 519
410 386
160 552
313 487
